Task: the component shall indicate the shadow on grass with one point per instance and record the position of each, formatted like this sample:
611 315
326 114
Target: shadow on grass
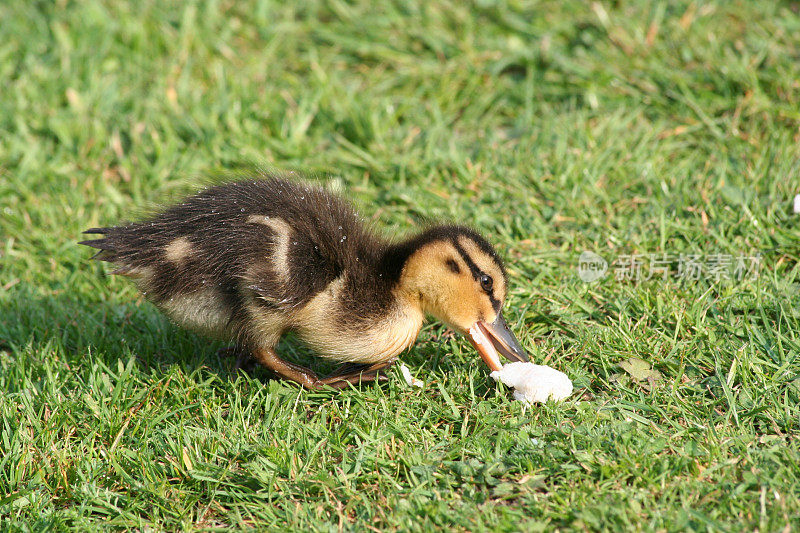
79 332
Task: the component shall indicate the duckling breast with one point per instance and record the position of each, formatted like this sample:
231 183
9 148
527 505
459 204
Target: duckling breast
329 327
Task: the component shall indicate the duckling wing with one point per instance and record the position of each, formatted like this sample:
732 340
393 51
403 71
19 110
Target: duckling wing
297 240
285 264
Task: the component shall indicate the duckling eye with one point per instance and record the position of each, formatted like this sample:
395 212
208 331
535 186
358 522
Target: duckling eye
486 282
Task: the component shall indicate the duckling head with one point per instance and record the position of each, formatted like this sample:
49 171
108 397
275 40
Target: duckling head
456 276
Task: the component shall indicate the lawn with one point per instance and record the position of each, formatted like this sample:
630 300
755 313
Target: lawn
643 132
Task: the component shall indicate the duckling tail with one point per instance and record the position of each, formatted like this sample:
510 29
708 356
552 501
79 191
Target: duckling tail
105 245
108 250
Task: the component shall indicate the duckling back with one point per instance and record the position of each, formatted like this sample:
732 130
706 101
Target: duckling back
241 259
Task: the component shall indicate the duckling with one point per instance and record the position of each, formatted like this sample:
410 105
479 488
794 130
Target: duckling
251 260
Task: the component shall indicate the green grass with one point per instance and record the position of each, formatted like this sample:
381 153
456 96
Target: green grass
552 127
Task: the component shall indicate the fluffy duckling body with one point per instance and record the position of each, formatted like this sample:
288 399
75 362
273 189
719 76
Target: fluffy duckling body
251 260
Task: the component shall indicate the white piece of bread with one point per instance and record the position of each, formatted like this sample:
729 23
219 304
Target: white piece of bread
534 383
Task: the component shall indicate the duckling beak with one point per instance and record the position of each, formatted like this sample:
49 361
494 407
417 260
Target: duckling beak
493 339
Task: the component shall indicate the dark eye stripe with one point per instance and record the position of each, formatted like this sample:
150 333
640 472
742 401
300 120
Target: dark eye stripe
476 273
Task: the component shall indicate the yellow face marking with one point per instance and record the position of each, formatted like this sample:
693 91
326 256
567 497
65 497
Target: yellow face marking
178 250
487 265
439 291
455 298
282 231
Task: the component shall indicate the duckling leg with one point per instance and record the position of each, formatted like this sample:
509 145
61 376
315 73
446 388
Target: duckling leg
308 378
286 370
355 374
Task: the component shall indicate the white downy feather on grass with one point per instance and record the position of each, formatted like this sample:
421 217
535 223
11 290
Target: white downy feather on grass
411 380
534 383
